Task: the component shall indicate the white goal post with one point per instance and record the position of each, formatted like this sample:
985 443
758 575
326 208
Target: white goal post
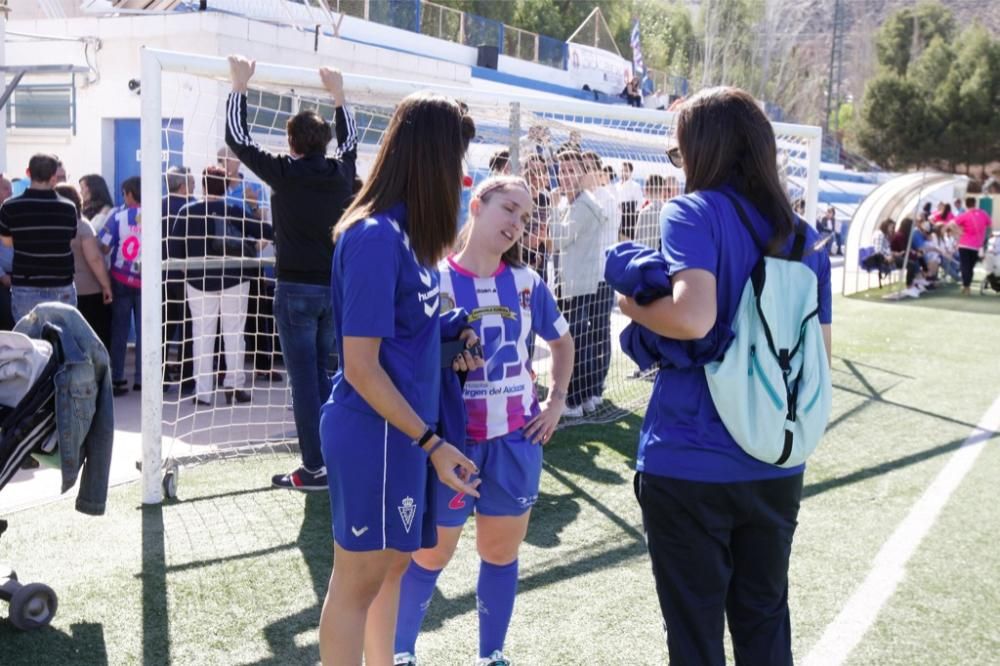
623 133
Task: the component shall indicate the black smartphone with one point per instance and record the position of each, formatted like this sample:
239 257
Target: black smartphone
449 350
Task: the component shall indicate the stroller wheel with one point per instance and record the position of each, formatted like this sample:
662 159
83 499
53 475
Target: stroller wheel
33 606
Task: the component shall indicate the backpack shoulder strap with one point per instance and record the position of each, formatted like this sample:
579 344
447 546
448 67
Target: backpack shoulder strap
746 222
799 244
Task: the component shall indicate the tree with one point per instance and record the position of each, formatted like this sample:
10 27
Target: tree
968 99
907 31
669 42
895 121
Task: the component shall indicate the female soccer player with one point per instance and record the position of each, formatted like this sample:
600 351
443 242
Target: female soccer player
377 429
506 302
718 522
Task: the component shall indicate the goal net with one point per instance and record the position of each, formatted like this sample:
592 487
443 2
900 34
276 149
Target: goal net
218 357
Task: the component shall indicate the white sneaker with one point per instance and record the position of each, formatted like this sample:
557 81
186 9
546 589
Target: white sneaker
598 400
588 406
495 659
911 292
404 659
573 412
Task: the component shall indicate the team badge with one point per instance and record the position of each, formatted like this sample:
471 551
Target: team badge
447 302
526 299
407 510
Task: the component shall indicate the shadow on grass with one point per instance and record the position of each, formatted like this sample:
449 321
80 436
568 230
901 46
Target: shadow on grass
84 645
155 612
316 544
443 609
813 489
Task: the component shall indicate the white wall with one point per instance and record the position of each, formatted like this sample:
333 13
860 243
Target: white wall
214 34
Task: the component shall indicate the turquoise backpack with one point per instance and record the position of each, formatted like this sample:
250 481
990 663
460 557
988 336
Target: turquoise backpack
772 388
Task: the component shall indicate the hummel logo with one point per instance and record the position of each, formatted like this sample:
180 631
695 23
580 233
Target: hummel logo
425 277
358 532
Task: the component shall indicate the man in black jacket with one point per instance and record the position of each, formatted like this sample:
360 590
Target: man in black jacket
309 193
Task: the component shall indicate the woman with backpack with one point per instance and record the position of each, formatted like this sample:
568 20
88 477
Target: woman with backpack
719 522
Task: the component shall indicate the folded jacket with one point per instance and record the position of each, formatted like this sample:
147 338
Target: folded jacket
642 274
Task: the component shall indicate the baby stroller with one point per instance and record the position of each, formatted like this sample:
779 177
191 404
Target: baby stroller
991 262
27 427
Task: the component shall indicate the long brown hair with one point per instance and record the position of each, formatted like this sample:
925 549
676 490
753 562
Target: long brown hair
420 164
483 192
67 191
725 138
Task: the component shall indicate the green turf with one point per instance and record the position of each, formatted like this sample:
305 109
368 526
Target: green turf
234 572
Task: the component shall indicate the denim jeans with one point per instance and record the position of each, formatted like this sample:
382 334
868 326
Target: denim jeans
304 315
604 303
23 299
126 307
579 314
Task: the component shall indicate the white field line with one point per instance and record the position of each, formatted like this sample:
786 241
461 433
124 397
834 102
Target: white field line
889 569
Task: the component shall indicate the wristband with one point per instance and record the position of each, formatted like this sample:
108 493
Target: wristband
426 437
434 448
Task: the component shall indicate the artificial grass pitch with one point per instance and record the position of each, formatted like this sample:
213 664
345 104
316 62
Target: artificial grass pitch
234 573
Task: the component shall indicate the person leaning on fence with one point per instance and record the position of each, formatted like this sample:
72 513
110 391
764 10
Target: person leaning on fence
606 196
576 235
718 522
309 194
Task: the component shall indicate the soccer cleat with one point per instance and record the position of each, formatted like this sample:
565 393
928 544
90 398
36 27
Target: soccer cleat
573 412
911 292
589 406
301 479
495 659
404 659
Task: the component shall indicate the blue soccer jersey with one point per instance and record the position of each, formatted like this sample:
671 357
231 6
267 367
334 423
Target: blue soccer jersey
380 290
379 491
504 309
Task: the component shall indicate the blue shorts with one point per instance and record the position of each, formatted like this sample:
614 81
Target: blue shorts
511 469
380 491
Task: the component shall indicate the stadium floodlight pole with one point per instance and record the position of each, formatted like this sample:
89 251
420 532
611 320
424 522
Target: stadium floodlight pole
152 184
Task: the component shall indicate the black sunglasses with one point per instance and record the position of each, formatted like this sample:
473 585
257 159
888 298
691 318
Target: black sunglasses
675 158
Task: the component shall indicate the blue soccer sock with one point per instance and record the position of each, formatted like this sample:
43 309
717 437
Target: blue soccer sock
415 592
495 600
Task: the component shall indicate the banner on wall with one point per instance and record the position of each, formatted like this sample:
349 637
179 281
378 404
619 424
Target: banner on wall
597 68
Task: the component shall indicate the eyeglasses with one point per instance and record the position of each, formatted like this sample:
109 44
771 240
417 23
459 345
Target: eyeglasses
674 157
